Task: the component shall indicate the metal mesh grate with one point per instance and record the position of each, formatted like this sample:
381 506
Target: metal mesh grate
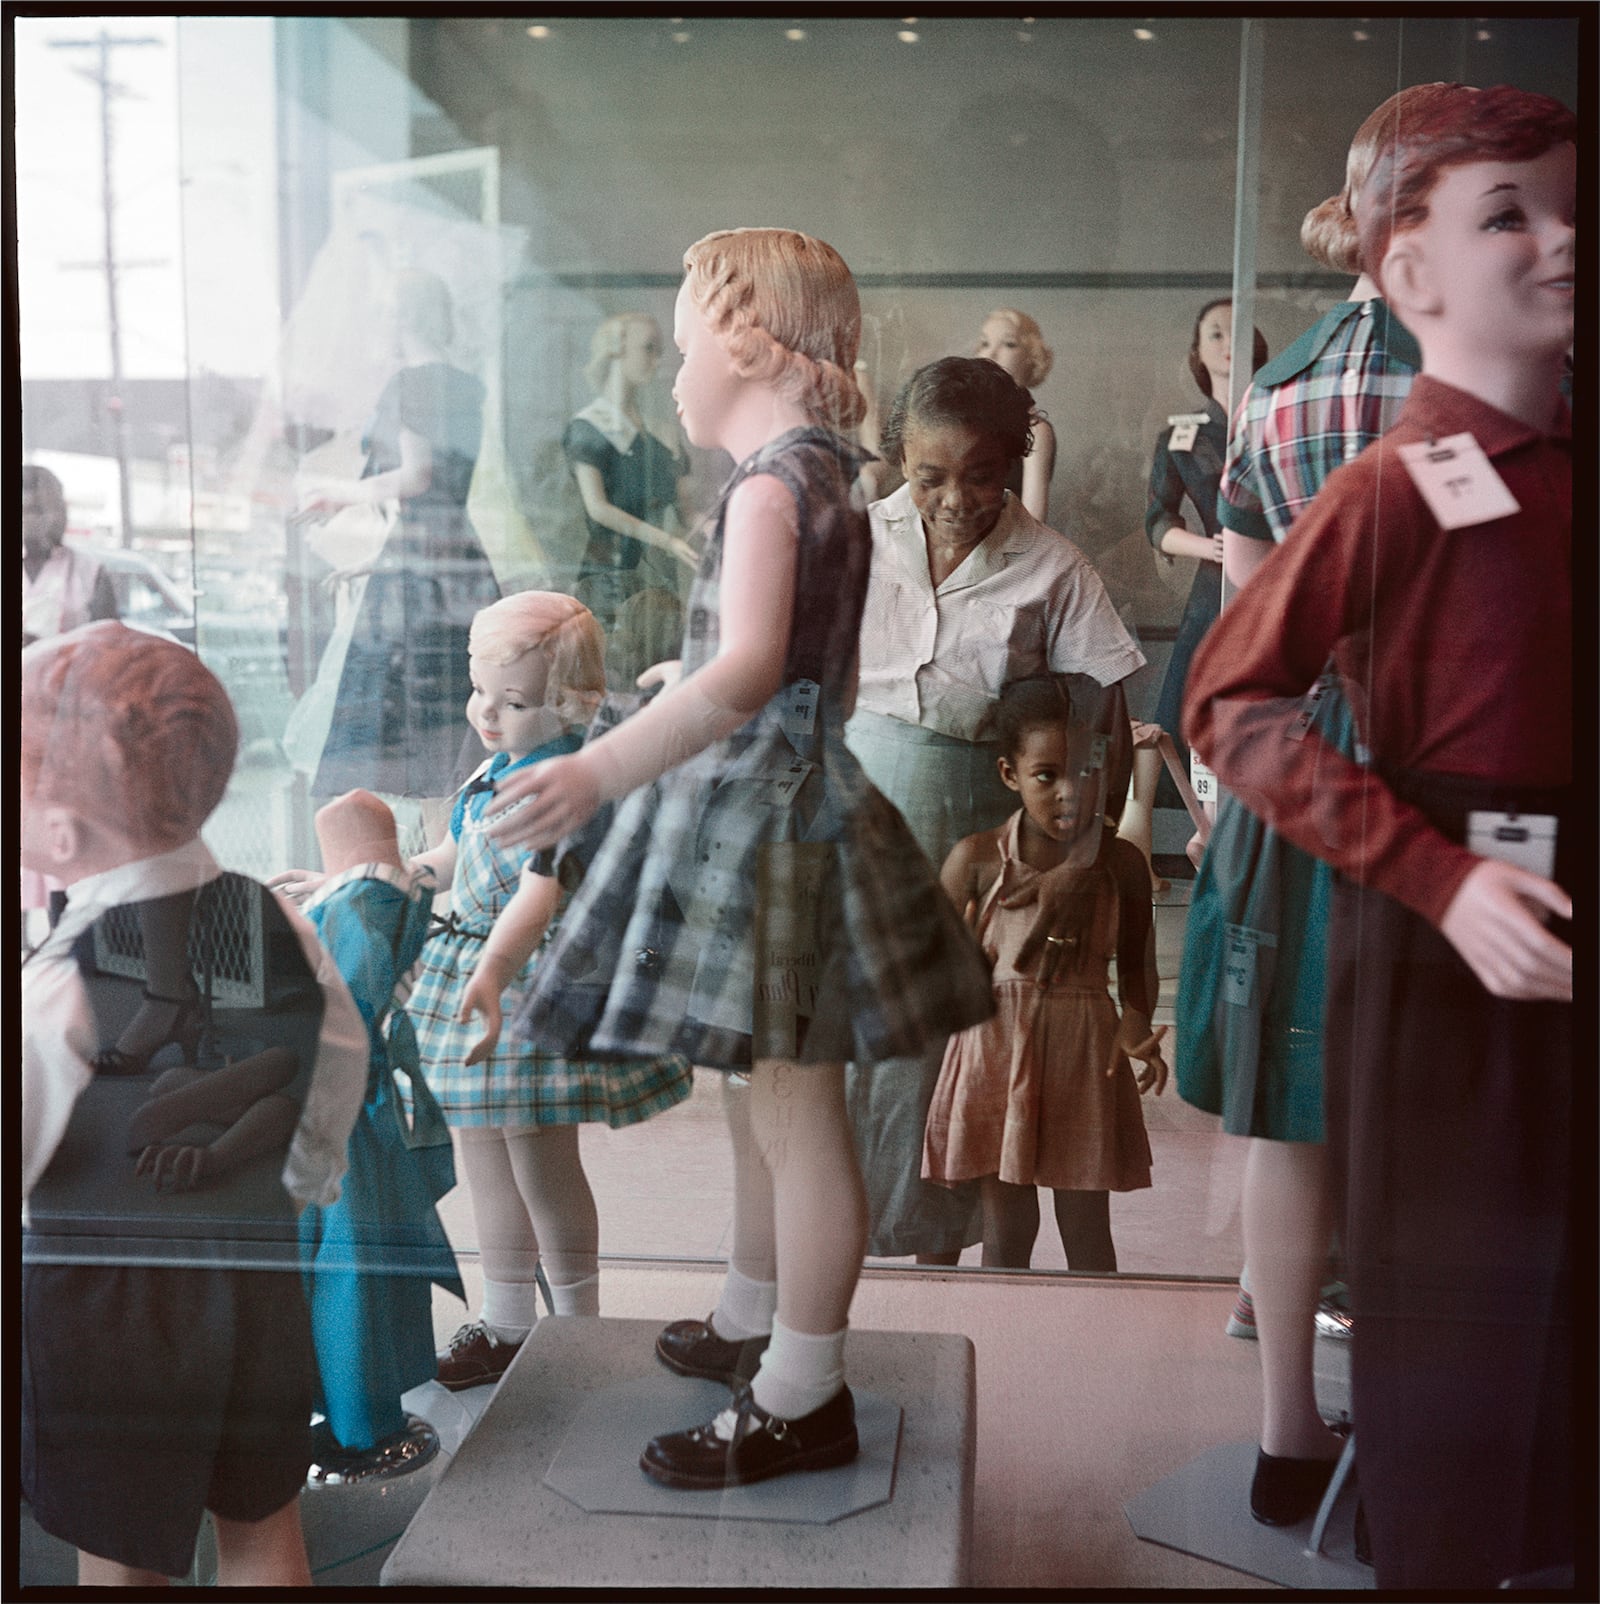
226 938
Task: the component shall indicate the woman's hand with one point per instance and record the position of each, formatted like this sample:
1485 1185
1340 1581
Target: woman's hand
1143 1046
537 806
482 997
1492 923
296 884
175 1167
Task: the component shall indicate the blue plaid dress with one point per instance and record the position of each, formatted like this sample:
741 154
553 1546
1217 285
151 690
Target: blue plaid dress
518 1085
762 899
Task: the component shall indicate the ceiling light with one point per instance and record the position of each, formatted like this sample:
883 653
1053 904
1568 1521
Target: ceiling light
796 34
907 37
1483 36
1360 35
680 38
538 31
1143 33
1023 35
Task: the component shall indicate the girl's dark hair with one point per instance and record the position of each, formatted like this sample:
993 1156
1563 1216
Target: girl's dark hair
1258 347
1040 702
970 391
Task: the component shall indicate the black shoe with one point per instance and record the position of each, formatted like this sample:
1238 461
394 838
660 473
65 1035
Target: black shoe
757 1445
1284 1491
333 1465
474 1358
692 1348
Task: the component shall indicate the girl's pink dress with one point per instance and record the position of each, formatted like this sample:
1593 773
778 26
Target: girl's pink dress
1025 1095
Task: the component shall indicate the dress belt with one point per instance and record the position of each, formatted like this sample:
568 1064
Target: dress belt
449 925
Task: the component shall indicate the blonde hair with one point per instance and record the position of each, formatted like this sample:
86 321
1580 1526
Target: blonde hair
529 619
786 309
128 730
1038 355
606 345
1329 233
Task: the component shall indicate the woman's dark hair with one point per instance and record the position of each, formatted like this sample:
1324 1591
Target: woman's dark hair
1258 346
970 391
1040 702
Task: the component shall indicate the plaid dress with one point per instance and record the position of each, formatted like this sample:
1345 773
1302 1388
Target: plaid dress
762 899
517 1085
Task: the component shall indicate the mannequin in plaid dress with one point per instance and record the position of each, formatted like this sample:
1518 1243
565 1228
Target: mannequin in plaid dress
756 904
537 673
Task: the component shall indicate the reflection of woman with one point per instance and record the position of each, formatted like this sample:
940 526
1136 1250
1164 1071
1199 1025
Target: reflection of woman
628 477
1188 463
397 715
967 591
1016 342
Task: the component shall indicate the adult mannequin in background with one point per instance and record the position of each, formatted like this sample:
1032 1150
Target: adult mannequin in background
627 475
1449 616
1014 341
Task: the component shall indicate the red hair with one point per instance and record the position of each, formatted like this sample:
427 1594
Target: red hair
1485 125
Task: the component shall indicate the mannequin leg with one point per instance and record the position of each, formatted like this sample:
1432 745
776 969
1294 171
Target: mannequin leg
1288 1218
556 1195
1010 1224
1084 1220
755 1243
169 980
508 1247
1138 813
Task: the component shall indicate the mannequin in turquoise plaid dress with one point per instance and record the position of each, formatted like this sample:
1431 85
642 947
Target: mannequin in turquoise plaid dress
756 904
371 1259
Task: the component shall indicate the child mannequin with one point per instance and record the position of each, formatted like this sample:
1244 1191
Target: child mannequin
127 744
1457 1204
1016 343
745 905
628 476
1042 1094
371 1258
536 676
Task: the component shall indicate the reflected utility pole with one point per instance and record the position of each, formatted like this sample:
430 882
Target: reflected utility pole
100 75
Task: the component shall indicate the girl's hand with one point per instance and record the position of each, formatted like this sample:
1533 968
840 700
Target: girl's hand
482 997
1492 922
537 807
175 1168
1144 1047
296 884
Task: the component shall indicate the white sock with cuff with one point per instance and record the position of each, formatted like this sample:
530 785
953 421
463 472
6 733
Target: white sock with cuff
746 1308
509 1309
799 1372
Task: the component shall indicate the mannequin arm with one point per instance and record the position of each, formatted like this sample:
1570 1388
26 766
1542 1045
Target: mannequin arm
542 804
1179 541
411 478
610 516
522 923
1037 467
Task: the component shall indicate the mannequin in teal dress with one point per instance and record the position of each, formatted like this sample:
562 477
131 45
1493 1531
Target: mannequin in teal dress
371 1259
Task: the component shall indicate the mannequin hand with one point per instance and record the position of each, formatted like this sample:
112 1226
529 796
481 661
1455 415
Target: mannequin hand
1146 735
1140 1043
482 997
1216 549
665 674
1194 849
683 551
296 884
537 807
1491 922
346 576
175 1168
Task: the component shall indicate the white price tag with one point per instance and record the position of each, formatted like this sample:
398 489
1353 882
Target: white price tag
1239 972
1182 437
1458 482
1525 839
800 709
1202 779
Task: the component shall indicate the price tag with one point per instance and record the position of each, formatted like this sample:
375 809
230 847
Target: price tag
1458 482
1202 779
1525 839
800 709
782 788
1182 437
1239 964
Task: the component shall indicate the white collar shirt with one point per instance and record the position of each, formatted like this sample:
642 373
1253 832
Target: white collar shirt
1024 601
59 1038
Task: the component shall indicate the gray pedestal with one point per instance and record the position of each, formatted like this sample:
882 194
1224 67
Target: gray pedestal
1204 1509
494 1519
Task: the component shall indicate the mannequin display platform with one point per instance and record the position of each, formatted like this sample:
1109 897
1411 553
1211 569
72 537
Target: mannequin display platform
465 1534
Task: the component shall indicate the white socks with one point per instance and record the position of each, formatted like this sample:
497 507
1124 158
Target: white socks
576 1297
799 1372
509 1309
746 1308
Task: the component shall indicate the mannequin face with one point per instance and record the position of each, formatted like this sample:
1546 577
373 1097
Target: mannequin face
641 350
707 385
957 475
1493 259
1002 344
507 705
1216 342
1051 774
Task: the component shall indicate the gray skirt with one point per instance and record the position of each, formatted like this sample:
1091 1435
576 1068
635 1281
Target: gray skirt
946 789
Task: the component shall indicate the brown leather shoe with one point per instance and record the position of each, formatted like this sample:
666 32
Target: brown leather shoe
752 1445
692 1348
474 1358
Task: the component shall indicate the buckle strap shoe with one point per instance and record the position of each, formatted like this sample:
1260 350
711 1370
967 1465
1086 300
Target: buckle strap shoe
410 1448
692 1348
1285 1491
745 1444
474 1358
